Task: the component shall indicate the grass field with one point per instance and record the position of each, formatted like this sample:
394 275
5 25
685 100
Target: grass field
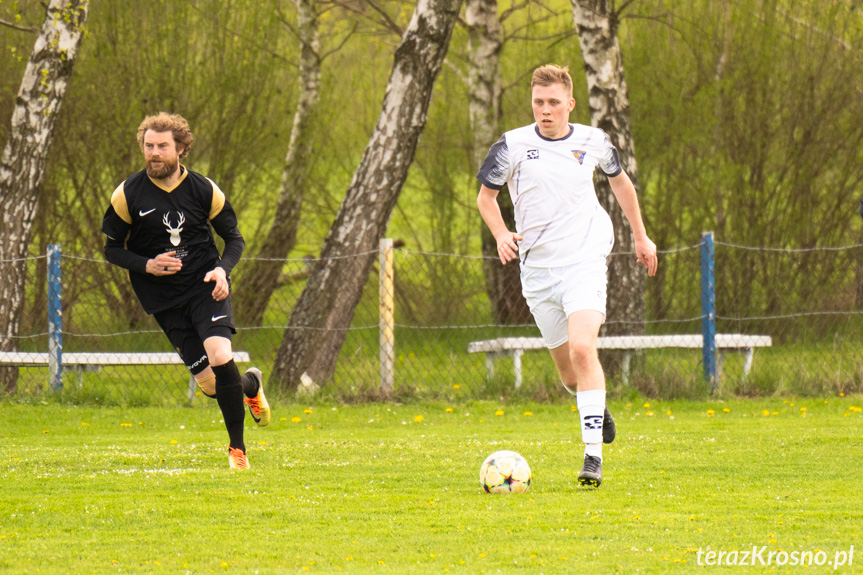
390 488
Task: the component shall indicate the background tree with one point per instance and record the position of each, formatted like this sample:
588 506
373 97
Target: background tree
503 283
24 158
314 337
596 24
262 275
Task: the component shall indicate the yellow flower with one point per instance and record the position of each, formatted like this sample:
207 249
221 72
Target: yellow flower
668 412
449 410
173 442
649 413
295 420
528 413
499 412
709 412
456 386
726 410
307 411
646 405
765 412
125 425
418 419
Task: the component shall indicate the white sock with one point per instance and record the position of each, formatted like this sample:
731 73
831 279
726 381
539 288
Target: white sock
591 409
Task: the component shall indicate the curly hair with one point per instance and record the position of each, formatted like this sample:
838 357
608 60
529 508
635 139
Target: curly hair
164 122
552 74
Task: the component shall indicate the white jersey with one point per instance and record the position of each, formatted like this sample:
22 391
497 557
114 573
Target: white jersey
551 186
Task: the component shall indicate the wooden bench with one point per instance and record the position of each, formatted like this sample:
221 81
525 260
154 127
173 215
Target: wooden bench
79 362
515 346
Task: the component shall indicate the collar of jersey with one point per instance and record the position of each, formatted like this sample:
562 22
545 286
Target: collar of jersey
536 129
179 181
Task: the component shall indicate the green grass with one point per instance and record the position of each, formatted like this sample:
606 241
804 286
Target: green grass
390 488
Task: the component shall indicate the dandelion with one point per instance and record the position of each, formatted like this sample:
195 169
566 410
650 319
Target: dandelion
418 419
803 409
528 413
573 408
125 425
84 423
309 427
173 442
295 420
710 413
307 411
765 412
456 386
668 412
449 410
726 410
646 405
499 412
283 419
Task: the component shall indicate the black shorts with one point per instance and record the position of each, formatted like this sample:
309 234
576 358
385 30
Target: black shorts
190 323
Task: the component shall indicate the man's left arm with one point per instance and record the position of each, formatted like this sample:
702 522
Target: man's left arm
224 221
645 249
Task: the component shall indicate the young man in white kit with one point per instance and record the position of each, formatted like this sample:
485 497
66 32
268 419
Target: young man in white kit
562 237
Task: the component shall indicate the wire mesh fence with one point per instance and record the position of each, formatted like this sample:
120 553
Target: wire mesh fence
808 301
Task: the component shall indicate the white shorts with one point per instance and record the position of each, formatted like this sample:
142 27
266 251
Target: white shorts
554 293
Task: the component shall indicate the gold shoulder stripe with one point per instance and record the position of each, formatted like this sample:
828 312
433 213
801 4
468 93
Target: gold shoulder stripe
218 200
118 200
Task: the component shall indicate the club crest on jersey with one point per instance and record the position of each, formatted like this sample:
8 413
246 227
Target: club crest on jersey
533 154
174 231
579 155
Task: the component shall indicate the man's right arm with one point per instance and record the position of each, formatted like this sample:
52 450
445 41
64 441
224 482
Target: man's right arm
486 201
117 254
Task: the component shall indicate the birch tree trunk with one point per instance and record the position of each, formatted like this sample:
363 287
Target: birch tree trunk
503 283
326 307
24 156
261 279
596 25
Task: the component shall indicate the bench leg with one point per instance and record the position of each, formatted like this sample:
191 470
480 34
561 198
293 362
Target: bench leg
489 365
516 367
747 361
193 389
624 367
719 361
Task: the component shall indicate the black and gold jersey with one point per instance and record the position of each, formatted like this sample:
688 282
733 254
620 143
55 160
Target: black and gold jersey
146 219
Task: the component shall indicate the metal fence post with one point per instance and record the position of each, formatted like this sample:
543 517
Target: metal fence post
708 309
387 327
55 318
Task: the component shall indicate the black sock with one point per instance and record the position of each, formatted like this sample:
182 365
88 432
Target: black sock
250 384
229 394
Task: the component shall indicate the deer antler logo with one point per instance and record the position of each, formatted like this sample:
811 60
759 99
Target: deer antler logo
175 232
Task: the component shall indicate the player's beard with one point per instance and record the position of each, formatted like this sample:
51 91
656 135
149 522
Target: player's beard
168 168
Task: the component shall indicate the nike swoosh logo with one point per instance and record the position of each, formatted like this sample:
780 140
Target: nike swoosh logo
142 214
217 317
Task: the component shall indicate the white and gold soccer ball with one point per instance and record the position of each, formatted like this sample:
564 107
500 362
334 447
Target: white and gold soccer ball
505 472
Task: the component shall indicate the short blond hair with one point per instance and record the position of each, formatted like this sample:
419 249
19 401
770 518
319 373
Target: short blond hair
164 122
552 74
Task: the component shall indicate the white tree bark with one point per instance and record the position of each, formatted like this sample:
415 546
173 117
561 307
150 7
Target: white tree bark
326 307
503 283
596 24
24 156
262 278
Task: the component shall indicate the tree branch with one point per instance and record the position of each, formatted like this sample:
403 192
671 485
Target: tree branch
19 27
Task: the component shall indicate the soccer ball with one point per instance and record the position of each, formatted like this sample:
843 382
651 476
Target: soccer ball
505 472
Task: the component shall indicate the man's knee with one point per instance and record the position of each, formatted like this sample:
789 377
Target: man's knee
583 355
218 350
206 380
